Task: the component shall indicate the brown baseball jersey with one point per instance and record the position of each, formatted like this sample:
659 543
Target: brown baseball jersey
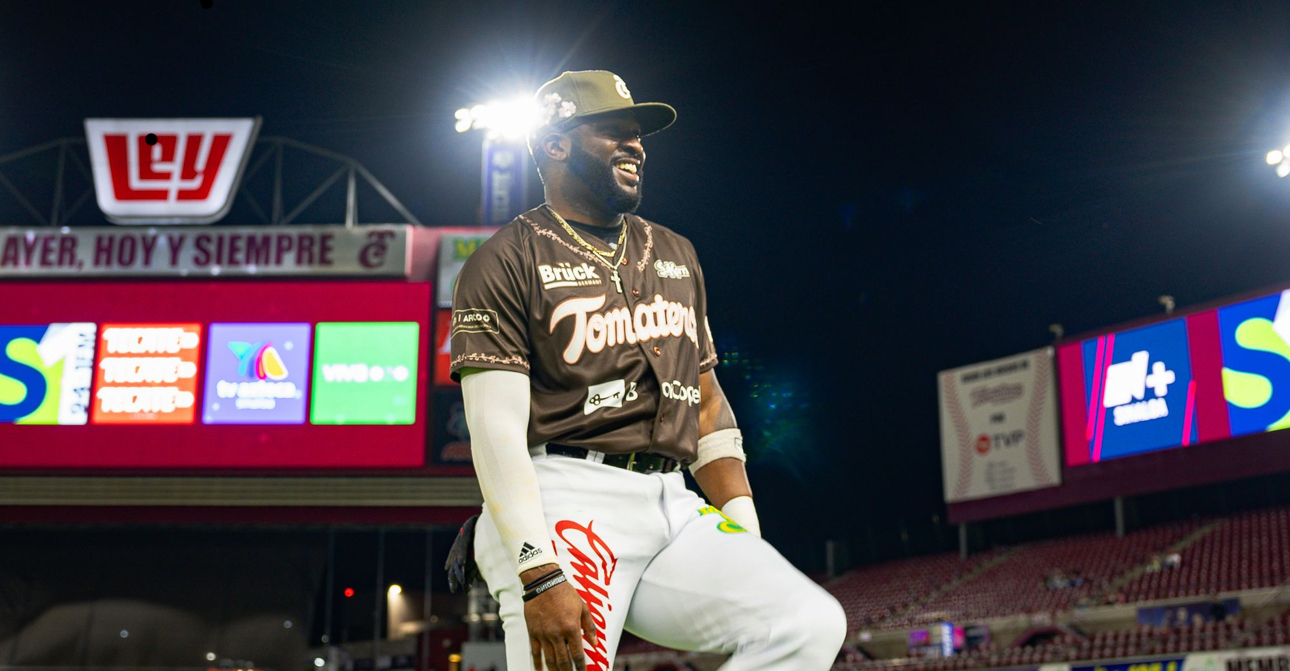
617 372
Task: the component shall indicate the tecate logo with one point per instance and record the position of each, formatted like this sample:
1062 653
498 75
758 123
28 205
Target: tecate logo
186 175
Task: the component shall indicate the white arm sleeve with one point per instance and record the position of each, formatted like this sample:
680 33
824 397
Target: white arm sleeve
497 412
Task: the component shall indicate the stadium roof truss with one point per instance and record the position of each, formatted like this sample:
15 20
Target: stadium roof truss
269 154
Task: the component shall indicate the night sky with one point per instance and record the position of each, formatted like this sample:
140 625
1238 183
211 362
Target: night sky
876 195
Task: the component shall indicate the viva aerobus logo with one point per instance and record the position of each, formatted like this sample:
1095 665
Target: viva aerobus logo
257 374
45 373
365 373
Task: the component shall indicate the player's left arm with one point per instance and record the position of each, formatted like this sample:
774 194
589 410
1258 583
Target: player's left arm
719 460
719 469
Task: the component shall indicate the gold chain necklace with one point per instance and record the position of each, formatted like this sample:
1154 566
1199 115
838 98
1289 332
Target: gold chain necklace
599 255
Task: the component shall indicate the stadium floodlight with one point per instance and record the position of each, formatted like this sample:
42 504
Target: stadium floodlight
504 178
395 590
1279 159
512 119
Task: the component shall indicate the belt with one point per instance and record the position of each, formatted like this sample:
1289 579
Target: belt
636 462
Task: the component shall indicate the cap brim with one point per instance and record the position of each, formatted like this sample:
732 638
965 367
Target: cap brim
653 117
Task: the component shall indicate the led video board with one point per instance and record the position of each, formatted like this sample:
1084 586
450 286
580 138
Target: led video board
257 374
1256 363
203 374
146 374
1176 402
365 373
1209 376
1139 393
1142 390
45 373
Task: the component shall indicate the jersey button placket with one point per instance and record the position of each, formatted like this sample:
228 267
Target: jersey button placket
657 351
636 293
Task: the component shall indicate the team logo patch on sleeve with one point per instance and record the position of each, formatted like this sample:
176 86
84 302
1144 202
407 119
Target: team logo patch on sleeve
474 320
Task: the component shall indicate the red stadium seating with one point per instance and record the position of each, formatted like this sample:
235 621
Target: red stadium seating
1016 585
1104 645
872 594
1273 632
1249 551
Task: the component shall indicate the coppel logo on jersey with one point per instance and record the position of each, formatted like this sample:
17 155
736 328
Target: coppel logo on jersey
1256 363
45 373
1139 391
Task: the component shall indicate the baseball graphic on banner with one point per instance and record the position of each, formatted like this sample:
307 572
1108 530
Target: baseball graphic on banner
999 427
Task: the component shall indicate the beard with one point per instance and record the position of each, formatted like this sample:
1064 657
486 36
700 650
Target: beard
599 177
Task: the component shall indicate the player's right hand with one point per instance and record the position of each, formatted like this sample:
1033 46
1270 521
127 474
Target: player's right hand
557 621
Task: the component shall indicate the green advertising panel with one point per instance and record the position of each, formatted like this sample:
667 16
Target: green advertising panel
365 373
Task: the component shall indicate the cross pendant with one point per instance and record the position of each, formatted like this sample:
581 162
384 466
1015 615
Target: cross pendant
618 282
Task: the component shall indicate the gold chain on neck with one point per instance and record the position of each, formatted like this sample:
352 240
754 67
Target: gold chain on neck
600 255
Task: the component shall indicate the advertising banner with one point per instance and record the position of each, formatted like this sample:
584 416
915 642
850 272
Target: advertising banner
451 435
1256 363
1159 386
256 374
1167 664
454 249
999 427
1186 614
168 171
251 251
1253 659
443 349
365 373
1178 401
146 374
45 373
506 166
1139 390
194 375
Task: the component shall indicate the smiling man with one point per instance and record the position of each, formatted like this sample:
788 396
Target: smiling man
580 336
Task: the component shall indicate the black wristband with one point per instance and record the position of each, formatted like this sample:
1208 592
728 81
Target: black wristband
537 591
535 583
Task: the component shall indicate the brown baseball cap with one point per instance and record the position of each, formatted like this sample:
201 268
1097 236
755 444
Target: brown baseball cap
576 96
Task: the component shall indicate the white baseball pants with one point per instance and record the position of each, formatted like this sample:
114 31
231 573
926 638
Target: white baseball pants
648 555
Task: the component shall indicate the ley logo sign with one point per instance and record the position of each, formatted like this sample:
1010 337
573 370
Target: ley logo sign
188 174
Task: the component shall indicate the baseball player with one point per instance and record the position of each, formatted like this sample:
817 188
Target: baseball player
581 340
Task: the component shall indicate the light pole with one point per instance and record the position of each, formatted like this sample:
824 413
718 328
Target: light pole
505 163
